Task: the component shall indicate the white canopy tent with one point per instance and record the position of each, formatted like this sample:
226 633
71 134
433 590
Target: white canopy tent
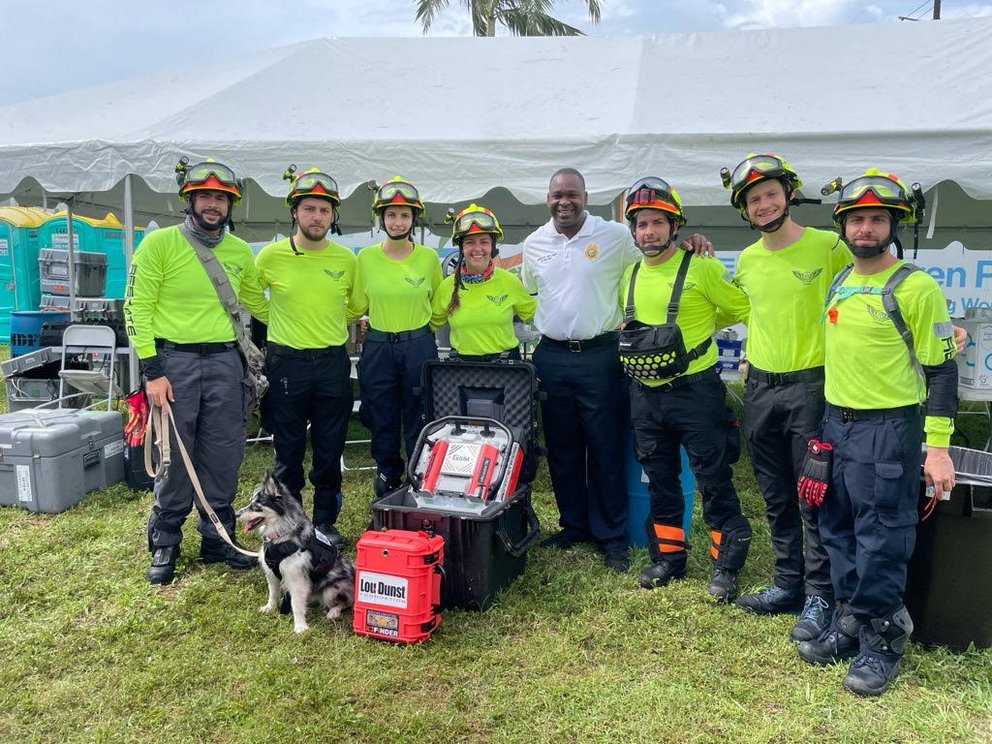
467 118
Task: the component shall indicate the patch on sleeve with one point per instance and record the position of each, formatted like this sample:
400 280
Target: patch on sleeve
943 330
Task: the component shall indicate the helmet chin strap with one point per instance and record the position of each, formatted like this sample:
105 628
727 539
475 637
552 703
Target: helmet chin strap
404 236
772 226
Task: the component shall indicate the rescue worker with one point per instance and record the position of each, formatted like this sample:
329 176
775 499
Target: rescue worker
479 299
677 398
785 274
185 341
397 280
310 280
883 359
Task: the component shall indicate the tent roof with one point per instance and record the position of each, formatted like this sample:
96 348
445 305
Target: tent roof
461 116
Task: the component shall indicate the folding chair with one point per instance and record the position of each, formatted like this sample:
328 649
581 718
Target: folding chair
354 409
97 341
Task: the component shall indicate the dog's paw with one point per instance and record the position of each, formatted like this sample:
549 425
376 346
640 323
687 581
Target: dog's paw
268 608
334 613
301 628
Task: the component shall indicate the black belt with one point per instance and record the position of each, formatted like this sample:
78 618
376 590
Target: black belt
813 374
212 347
603 339
875 414
677 382
385 336
454 356
289 351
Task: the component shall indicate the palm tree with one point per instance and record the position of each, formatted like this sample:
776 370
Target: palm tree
519 17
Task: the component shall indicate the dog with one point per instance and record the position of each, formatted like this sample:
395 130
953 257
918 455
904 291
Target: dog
295 557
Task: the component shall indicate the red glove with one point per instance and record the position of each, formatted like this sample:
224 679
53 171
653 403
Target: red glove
137 420
815 475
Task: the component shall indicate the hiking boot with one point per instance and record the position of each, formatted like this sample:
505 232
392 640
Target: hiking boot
838 642
329 531
660 573
215 550
163 567
618 560
723 584
871 674
815 619
772 601
559 540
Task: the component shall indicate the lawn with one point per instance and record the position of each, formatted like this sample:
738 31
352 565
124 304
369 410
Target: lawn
570 652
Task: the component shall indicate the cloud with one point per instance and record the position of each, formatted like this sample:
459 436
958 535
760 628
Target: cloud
781 13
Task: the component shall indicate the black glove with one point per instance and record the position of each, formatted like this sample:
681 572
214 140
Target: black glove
815 475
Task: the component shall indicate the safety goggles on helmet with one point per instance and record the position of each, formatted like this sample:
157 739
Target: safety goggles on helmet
475 219
654 193
875 189
755 168
314 183
400 192
207 175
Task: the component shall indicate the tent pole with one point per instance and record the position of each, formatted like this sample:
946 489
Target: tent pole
70 253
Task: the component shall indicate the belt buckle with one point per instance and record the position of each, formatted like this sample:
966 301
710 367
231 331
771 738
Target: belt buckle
574 345
847 415
394 338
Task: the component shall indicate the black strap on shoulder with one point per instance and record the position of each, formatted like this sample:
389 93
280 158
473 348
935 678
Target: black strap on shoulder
673 303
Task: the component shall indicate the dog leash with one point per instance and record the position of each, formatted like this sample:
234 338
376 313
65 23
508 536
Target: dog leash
158 430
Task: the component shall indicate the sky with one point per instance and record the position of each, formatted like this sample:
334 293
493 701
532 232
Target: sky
85 43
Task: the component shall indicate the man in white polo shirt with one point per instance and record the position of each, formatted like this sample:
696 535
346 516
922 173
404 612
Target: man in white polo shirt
574 264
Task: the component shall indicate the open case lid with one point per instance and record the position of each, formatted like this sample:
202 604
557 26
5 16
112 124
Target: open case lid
505 391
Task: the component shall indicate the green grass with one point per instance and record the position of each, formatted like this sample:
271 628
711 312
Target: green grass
570 652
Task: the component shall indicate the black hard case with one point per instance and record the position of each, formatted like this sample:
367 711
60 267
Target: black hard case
483 553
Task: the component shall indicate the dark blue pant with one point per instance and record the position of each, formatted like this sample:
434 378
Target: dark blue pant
585 418
388 376
695 417
779 421
210 410
868 519
309 387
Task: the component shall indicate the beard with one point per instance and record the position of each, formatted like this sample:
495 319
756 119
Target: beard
207 225
314 234
869 251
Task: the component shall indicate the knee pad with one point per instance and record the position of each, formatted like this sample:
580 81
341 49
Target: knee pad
730 545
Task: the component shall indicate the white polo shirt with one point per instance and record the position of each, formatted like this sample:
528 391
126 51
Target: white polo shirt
577 281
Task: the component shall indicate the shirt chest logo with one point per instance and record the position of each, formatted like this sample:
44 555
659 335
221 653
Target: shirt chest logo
335 275
807 277
685 287
591 252
496 299
880 317
414 281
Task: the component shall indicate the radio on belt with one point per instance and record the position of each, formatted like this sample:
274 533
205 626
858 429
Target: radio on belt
398 585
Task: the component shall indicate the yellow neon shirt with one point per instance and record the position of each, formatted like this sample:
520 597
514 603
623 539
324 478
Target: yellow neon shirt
397 294
308 293
787 289
170 296
706 294
483 321
868 366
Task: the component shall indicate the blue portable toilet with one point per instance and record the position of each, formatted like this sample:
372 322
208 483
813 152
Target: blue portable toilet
19 245
639 500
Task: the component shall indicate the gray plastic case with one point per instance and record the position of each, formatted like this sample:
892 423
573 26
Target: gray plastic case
50 459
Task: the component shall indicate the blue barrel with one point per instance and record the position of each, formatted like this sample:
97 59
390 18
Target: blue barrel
640 499
25 329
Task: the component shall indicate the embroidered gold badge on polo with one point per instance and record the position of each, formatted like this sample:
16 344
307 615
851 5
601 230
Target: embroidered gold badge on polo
592 251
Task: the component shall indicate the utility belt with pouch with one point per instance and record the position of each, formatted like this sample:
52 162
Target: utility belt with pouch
651 352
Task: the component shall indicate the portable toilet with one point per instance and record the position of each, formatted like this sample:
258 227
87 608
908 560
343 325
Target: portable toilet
96 236
19 246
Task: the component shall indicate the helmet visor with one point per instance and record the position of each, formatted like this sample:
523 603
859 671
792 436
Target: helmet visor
407 191
754 168
315 183
885 191
202 172
482 221
653 193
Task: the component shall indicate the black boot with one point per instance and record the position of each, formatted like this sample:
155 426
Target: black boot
216 550
883 642
729 548
816 617
385 484
163 567
659 573
329 531
839 642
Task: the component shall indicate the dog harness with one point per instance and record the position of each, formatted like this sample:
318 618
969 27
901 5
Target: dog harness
324 555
